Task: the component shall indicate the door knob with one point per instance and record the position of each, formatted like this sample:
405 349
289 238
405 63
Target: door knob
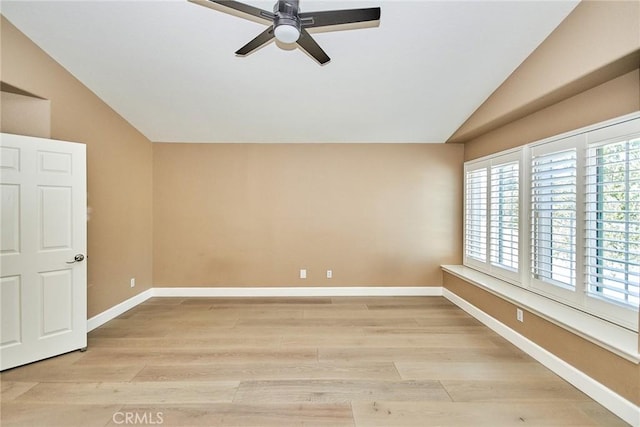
76 258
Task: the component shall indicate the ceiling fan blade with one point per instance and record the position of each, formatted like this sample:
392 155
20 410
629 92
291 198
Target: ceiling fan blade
263 38
309 45
338 17
237 6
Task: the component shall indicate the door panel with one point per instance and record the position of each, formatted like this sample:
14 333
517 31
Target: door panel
10 211
43 292
11 305
51 162
55 208
9 159
56 292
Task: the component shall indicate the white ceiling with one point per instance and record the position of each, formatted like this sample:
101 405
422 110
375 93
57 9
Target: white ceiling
168 66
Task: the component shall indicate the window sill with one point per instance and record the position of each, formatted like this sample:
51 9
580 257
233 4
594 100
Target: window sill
614 338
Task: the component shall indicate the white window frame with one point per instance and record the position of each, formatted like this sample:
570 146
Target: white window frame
579 297
508 274
504 218
557 290
478 227
593 302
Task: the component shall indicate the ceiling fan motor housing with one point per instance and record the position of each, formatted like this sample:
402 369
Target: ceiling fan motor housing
286 13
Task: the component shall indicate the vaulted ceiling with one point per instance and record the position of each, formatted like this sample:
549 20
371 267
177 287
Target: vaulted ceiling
168 66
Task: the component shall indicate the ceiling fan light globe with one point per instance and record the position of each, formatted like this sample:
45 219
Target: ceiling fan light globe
287 33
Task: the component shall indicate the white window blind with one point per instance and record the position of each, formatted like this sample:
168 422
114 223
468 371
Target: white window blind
561 218
476 214
613 221
553 217
504 215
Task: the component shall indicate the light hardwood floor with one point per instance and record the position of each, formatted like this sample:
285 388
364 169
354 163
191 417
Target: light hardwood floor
387 361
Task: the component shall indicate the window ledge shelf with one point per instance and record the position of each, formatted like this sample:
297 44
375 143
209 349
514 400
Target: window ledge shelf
619 340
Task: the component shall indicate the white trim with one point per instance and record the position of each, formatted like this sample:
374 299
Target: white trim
117 310
596 127
354 291
617 404
608 335
358 291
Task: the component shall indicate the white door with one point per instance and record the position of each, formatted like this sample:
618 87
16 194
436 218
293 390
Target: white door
43 290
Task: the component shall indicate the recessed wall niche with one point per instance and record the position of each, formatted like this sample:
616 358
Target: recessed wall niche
23 113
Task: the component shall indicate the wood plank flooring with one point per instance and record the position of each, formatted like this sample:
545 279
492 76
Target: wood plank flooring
383 361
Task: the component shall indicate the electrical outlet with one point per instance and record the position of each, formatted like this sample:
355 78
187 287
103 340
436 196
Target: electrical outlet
303 273
133 282
329 274
519 315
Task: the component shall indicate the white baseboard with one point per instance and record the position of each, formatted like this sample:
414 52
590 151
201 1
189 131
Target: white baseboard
617 404
359 291
117 310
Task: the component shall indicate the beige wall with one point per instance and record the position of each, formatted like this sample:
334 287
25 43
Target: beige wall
611 370
254 214
599 42
119 163
612 99
25 115
245 215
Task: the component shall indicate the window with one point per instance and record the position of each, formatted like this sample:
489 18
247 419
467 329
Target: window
553 218
504 215
561 218
492 215
476 215
613 221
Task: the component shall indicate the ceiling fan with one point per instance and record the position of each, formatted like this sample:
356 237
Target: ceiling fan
289 25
